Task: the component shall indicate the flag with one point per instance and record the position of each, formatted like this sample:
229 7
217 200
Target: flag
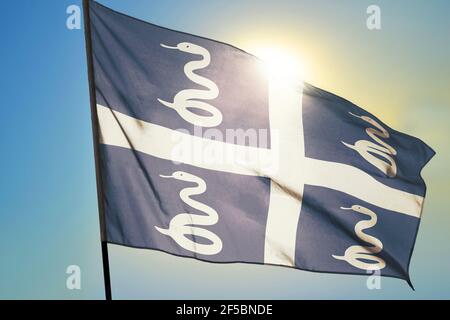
205 154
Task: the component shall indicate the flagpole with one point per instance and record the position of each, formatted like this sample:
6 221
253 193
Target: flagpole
95 134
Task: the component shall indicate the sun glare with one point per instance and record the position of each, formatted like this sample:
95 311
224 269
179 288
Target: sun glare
279 63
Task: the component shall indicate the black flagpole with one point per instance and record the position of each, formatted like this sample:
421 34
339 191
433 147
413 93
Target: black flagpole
95 133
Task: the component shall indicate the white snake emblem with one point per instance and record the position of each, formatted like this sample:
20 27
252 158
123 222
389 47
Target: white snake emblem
355 255
367 148
185 100
186 224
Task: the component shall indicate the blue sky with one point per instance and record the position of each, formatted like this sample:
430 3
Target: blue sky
48 206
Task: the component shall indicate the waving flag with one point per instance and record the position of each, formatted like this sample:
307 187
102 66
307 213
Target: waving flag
204 154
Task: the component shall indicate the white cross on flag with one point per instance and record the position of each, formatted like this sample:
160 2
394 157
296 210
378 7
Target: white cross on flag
204 154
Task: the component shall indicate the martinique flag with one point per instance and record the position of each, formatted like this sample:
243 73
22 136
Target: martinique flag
204 154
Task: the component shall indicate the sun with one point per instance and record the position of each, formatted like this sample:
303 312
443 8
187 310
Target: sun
278 62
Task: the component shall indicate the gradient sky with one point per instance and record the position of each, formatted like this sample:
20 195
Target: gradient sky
48 206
